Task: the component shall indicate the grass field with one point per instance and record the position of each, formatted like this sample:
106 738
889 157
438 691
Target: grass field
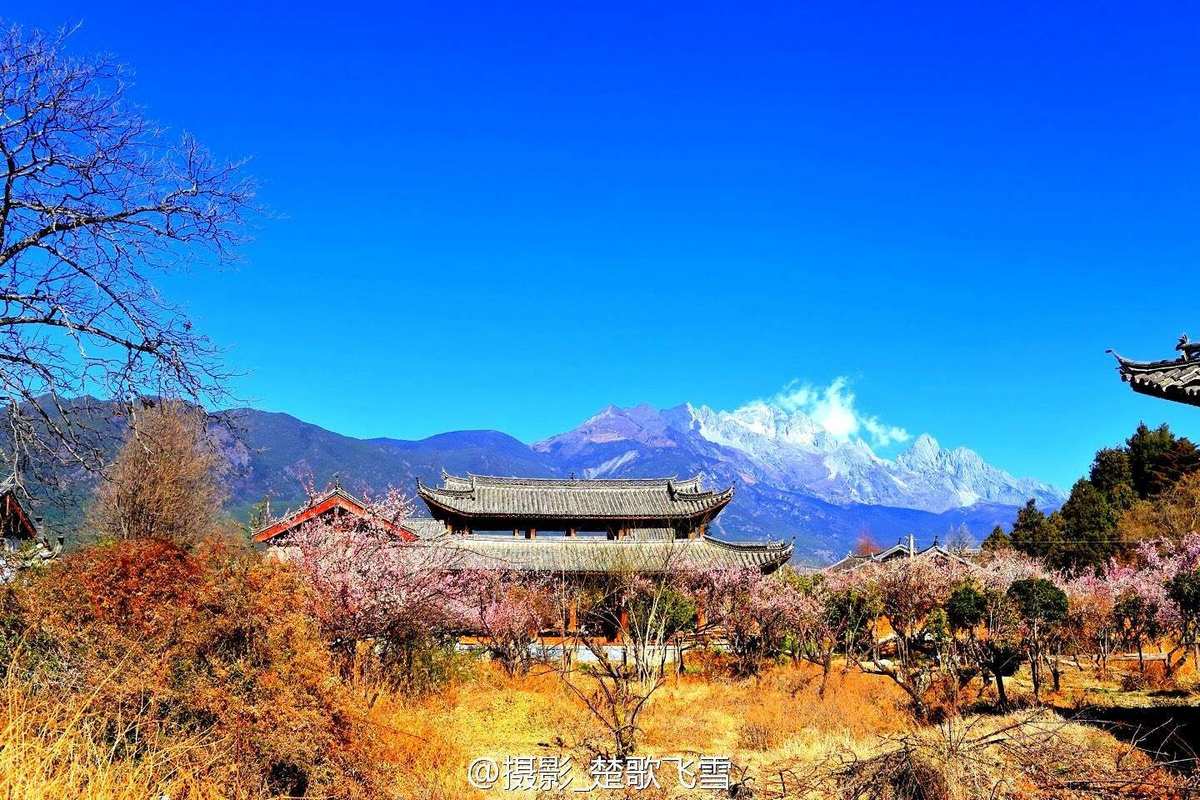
780 736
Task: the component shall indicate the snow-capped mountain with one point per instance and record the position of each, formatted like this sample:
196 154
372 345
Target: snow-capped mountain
800 472
799 453
795 477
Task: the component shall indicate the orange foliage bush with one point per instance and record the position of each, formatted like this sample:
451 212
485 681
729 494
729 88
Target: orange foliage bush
1153 677
159 641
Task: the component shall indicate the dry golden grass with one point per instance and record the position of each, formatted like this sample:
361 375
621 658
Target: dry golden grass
1124 685
756 722
776 728
771 727
52 750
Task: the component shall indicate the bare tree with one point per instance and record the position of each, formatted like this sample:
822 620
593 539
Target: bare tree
165 481
960 540
629 617
94 198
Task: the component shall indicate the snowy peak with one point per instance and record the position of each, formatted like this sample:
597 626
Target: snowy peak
753 425
818 449
924 454
806 454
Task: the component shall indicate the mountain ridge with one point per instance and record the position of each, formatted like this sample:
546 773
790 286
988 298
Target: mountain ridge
790 449
792 478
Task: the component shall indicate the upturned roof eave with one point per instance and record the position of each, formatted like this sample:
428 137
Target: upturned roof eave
1164 380
572 556
1131 365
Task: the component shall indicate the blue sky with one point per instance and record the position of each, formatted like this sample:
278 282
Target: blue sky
508 216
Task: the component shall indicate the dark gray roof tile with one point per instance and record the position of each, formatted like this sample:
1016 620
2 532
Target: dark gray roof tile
553 498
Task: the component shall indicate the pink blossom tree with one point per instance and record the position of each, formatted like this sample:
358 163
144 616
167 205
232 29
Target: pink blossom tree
372 586
508 610
1155 601
832 614
627 621
753 612
906 594
1091 599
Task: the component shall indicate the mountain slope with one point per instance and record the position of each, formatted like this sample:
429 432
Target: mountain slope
800 454
793 479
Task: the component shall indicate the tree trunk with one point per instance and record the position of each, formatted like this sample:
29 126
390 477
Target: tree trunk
1000 692
1036 676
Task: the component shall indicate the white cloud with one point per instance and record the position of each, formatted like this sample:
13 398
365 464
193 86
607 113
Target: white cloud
832 407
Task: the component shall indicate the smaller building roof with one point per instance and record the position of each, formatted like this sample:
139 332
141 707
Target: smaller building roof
15 522
1176 379
899 550
425 527
499 498
333 499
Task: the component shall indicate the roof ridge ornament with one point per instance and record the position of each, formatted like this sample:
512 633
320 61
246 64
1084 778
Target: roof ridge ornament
1190 349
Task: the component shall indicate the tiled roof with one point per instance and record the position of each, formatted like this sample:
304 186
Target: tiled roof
1177 379
852 561
594 555
545 498
651 534
13 518
425 527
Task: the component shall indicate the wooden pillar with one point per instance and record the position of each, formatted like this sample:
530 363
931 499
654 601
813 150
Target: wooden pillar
624 619
573 614
516 531
570 531
531 533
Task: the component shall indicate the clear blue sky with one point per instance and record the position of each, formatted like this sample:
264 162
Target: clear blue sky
509 215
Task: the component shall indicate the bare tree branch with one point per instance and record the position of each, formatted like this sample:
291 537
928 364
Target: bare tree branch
95 199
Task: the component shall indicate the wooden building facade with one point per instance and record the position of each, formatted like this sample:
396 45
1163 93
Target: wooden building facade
563 526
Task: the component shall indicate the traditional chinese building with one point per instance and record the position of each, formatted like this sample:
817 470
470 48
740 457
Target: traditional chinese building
24 543
17 526
906 548
591 525
1176 379
566 526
